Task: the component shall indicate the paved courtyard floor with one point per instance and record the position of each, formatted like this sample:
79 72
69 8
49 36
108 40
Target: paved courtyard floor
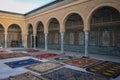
6 71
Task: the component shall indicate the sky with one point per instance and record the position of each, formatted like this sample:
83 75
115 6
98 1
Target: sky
22 6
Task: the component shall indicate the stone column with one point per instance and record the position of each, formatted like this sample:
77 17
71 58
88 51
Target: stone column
86 43
34 37
46 34
62 42
5 40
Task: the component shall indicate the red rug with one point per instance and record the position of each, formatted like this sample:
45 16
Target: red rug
82 62
46 55
33 50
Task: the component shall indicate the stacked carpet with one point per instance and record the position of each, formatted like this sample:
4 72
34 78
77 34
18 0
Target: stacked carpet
107 68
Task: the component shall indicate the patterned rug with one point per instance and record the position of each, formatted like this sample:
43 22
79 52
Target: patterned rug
107 68
44 67
24 76
46 55
12 55
82 62
62 58
21 63
70 74
33 50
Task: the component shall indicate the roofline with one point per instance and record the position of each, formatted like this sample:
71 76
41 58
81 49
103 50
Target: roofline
12 13
49 4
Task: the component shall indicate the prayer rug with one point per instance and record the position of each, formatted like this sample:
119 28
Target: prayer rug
24 76
21 63
82 62
107 68
12 55
33 50
46 55
61 58
44 67
70 74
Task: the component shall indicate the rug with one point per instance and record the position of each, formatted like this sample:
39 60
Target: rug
24 76
82 62
12 55
107 68
46 55
70 74
61 58
21 63
32 50
44 67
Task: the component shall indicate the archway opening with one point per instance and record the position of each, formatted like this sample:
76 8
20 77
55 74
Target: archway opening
40 35
14 35
30 42
74 35
54 34
105 31
2 39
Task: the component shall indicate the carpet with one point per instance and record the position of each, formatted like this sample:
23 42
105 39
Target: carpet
32 50
24 76
44 67
61 58
82 62
70 74
46 55
12 55
21 63
107 68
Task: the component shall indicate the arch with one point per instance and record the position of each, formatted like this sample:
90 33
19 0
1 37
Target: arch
54 34
98 7
30 42
67 15
1 27
40 35
104 24
2 32
74 35
14 35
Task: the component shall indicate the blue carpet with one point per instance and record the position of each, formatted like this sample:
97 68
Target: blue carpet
70 74
21 63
